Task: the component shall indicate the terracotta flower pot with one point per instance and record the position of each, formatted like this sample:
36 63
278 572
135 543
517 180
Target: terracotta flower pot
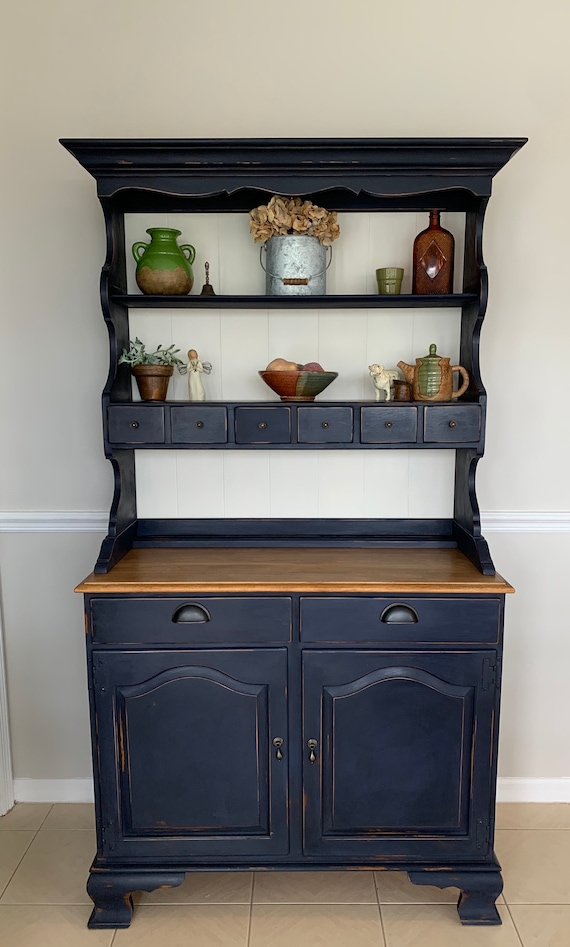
152 381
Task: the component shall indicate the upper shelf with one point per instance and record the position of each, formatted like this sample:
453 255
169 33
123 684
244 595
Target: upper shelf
402 301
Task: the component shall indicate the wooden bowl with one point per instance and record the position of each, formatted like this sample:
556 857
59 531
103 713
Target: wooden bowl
299 385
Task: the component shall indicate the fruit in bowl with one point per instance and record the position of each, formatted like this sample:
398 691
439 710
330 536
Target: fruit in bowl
295 382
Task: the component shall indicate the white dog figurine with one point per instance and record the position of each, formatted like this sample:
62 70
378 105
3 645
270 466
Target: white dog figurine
383 379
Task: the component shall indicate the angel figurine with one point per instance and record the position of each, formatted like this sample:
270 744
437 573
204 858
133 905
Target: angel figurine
195 368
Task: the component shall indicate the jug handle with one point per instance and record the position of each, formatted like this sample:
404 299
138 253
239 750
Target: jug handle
191 252
138 249
464 374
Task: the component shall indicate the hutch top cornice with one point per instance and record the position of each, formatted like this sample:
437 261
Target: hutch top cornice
365 167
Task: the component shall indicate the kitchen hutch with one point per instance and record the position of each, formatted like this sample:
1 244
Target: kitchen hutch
294 693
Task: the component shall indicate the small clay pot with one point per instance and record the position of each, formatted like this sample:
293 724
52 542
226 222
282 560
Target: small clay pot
402 391
152 381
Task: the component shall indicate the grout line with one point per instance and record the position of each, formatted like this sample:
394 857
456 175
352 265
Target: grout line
24 853
513 923
250 919
381 916
45 817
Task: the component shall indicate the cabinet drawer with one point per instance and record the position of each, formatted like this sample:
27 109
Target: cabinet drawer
452 424
232 620
199 425
324 425
383 618
263 425
136 424
389 425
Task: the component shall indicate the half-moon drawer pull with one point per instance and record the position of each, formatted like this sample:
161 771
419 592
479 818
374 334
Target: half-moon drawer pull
399 614
191 613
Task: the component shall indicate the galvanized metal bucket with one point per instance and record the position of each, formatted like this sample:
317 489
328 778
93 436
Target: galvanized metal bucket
296 266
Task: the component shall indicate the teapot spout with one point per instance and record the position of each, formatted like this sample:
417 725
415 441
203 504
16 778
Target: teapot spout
408 371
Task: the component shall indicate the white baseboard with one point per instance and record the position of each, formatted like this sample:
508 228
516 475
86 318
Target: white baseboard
509 789
528 789
53 790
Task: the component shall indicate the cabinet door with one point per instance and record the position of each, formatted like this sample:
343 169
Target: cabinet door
402 765
185 754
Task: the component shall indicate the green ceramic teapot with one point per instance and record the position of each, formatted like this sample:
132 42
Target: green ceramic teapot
432 377
163 267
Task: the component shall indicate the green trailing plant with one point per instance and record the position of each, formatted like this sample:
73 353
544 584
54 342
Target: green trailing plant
137 354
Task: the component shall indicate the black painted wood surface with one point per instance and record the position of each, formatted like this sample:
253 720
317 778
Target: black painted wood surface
234 175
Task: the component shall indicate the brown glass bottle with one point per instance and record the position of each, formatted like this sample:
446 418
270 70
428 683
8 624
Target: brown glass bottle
433 258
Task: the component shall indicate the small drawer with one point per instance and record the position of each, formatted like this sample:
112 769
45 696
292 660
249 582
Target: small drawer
452 423
199 425
263 425
136 424
384 425
366 620
203 620
324 425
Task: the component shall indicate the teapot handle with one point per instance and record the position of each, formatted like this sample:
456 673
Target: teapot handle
464 374
139 248
191 252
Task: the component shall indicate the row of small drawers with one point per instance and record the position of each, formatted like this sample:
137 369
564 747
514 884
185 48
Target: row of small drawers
256 620
146 424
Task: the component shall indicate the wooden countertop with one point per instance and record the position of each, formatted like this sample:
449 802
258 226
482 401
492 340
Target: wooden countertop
295 570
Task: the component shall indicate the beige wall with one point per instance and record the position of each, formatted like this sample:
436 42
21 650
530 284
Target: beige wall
120 68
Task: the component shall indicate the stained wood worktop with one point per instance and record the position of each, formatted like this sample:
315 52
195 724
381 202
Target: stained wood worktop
295 570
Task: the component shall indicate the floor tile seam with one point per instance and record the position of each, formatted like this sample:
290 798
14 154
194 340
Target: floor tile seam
44 904
537 904
46 815
78 831
517 932
314 903
532 828
249 920
382 927
24 853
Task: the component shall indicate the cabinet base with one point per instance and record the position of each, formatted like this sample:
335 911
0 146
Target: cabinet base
111 893
479 891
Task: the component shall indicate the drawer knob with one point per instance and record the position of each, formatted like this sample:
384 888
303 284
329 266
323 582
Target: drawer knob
262 425
278 743
399 614
199 424
134 423
388 424
453 423
191 612
325 424
312 746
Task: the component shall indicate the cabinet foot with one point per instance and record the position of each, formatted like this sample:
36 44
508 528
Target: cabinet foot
111 893
479 891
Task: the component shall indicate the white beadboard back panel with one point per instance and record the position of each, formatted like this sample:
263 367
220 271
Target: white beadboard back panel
260 483
240 343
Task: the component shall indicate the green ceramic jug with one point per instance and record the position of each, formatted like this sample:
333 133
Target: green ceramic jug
163 267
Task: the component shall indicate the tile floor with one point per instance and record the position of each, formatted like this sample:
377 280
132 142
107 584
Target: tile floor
45 853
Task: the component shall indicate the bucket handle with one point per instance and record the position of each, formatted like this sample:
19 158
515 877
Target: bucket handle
292 282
